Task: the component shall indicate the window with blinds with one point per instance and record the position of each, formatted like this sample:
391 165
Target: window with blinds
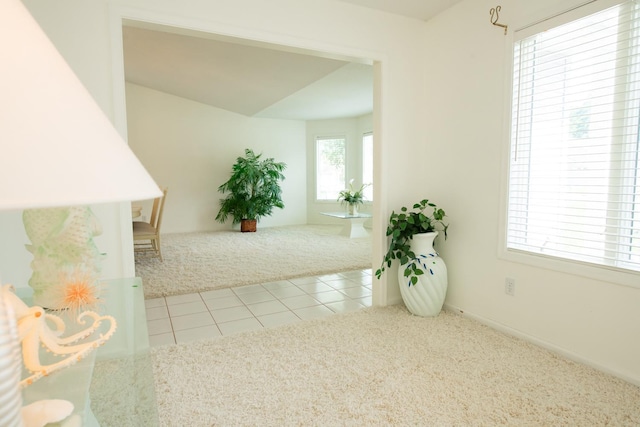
574 168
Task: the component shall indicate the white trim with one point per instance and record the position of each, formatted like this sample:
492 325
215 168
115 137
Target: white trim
328 50
544 344
380 287
565 16
523 22
506 144
127 258
583 269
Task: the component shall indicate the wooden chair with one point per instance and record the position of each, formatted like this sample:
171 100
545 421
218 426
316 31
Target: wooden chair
146 235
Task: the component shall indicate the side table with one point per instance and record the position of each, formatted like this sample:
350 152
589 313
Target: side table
114 385
354 225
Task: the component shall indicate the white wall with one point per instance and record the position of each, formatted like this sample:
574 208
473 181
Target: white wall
352 129
190 148
462 152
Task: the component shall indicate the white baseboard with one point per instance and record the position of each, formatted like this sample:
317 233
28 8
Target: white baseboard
544 344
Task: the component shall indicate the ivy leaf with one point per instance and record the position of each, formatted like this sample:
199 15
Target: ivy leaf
401 228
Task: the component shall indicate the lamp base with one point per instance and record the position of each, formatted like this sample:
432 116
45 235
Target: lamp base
43 412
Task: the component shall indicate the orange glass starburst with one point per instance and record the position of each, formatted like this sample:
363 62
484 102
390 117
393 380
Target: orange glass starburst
77 292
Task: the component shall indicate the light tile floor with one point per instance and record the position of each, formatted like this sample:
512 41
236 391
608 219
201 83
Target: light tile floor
182 318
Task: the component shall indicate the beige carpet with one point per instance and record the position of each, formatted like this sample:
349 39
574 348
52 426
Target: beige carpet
195 262
383 367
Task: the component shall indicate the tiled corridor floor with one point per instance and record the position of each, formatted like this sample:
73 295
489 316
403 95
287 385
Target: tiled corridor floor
182 318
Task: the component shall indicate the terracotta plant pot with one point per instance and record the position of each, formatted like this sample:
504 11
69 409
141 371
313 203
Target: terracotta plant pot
248 225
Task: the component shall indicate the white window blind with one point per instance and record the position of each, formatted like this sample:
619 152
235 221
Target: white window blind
574 168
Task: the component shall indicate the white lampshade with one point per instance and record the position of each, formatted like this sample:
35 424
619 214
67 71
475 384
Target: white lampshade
57 147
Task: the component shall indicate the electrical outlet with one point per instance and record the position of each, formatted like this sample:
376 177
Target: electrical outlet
510 286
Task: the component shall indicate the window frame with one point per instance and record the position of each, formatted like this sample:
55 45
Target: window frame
585 269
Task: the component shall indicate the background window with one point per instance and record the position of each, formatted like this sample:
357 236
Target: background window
367 165
330 167
574 177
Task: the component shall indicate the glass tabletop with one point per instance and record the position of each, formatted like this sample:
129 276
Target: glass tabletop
345 215
114 385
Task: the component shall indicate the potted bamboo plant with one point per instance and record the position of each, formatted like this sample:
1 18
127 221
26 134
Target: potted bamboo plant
254 190
422 273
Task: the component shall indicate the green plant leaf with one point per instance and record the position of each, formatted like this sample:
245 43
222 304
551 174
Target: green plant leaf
401 229
254 188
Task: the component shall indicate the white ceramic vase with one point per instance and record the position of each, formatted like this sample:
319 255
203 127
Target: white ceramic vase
352 210
426 297
10 364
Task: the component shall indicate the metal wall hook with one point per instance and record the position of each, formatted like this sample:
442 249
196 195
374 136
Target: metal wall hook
494 18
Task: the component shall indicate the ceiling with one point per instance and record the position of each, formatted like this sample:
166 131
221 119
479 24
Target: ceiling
257 79
417 9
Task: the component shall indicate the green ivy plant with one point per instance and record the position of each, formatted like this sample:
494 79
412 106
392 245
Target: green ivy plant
402 227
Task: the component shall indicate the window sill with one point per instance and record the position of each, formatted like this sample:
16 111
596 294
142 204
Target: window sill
591 271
